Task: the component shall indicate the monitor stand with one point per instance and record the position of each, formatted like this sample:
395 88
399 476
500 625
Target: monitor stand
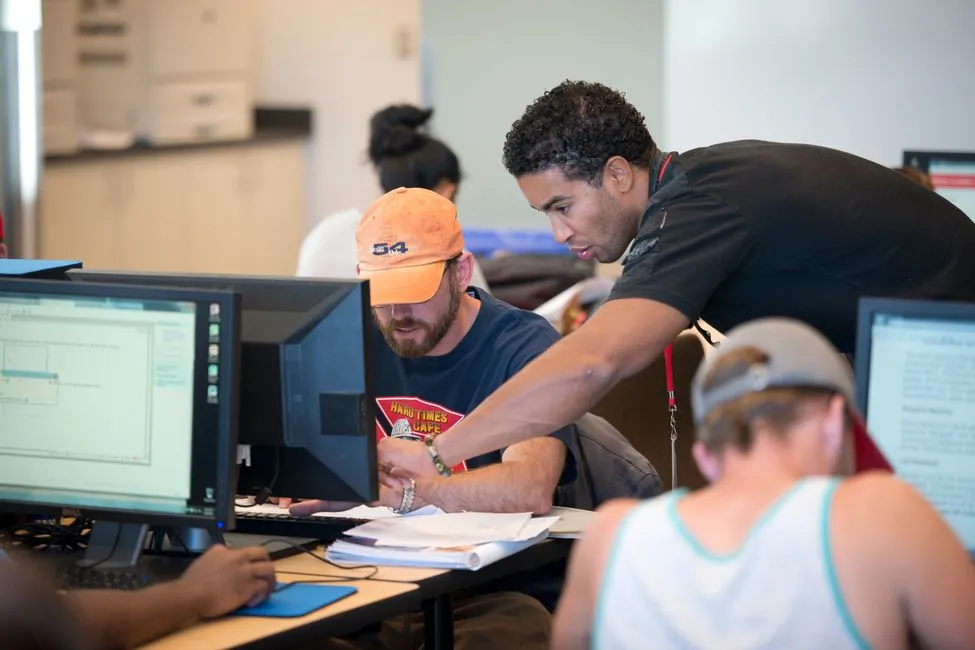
114 546
193 540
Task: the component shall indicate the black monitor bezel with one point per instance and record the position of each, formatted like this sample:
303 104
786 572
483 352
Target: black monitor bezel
924 158
243 284
869 308
226 407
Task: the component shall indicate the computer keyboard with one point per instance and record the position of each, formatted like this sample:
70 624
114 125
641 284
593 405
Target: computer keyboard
150 570
326 529
79 578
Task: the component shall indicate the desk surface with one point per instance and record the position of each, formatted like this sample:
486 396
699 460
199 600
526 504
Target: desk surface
375 601
300 564
389 592
435 582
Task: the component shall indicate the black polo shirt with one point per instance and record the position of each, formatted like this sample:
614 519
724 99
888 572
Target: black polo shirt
749 229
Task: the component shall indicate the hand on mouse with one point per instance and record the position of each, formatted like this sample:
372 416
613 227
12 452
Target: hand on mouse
223 580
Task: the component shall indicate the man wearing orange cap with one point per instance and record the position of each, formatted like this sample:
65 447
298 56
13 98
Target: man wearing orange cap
440 348
447 347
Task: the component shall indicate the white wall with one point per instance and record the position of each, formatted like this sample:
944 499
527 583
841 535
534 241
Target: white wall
345 60
491 59
873 77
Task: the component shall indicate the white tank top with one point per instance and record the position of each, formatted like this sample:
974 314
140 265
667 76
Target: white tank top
662 589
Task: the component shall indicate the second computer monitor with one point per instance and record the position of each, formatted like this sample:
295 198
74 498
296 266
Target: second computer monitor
952 174
915 373
119 402
307 408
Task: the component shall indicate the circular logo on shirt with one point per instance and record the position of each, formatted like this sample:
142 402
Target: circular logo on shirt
401 429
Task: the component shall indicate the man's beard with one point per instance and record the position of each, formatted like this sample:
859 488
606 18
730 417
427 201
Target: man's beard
433 333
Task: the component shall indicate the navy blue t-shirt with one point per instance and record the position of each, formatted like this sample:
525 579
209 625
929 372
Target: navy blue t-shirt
417 397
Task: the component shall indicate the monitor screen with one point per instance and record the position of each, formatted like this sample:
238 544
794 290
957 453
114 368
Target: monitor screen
952 173
307 408
916 385
116 399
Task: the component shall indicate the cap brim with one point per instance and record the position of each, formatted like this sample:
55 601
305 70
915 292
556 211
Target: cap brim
403 285
866 455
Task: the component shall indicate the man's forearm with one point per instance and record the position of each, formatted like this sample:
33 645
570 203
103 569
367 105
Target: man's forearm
503 487
622 337
122 620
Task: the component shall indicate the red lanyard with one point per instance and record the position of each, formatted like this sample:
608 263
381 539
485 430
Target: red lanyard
672 407
669 364
669 368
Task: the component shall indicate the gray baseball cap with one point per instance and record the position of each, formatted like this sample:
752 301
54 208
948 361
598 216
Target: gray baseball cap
798 356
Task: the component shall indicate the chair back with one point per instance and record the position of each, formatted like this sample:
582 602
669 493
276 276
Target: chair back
637 407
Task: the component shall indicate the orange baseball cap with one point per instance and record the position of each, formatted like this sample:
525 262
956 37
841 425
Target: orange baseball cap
404 241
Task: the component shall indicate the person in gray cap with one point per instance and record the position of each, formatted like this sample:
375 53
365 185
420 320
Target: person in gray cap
778 551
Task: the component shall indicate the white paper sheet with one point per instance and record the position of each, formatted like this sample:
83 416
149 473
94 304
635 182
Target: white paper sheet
472 558
572 523
449 530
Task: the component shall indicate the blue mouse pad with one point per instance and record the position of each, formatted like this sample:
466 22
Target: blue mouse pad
297 600
26 267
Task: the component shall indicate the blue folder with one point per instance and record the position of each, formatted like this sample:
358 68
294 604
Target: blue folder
297 599
37 268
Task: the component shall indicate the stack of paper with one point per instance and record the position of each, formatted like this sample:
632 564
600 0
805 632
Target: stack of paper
572 523
359 512
463 540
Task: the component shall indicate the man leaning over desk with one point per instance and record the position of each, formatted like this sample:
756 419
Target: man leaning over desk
440 348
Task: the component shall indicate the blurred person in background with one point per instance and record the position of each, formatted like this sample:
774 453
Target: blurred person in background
404 156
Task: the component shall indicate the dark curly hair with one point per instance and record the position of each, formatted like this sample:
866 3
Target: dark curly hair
577 126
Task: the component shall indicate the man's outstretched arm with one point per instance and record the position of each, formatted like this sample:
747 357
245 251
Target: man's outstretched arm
622 337
524 481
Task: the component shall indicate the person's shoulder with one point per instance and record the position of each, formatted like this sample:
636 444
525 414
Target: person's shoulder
613 512
875 483
509 318
328 250
876 486
341 220
877 504
743 150
606 525
754 154
516 335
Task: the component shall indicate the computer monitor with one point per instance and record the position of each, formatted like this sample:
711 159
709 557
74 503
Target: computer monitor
118 403
952 173
307 411
915 384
